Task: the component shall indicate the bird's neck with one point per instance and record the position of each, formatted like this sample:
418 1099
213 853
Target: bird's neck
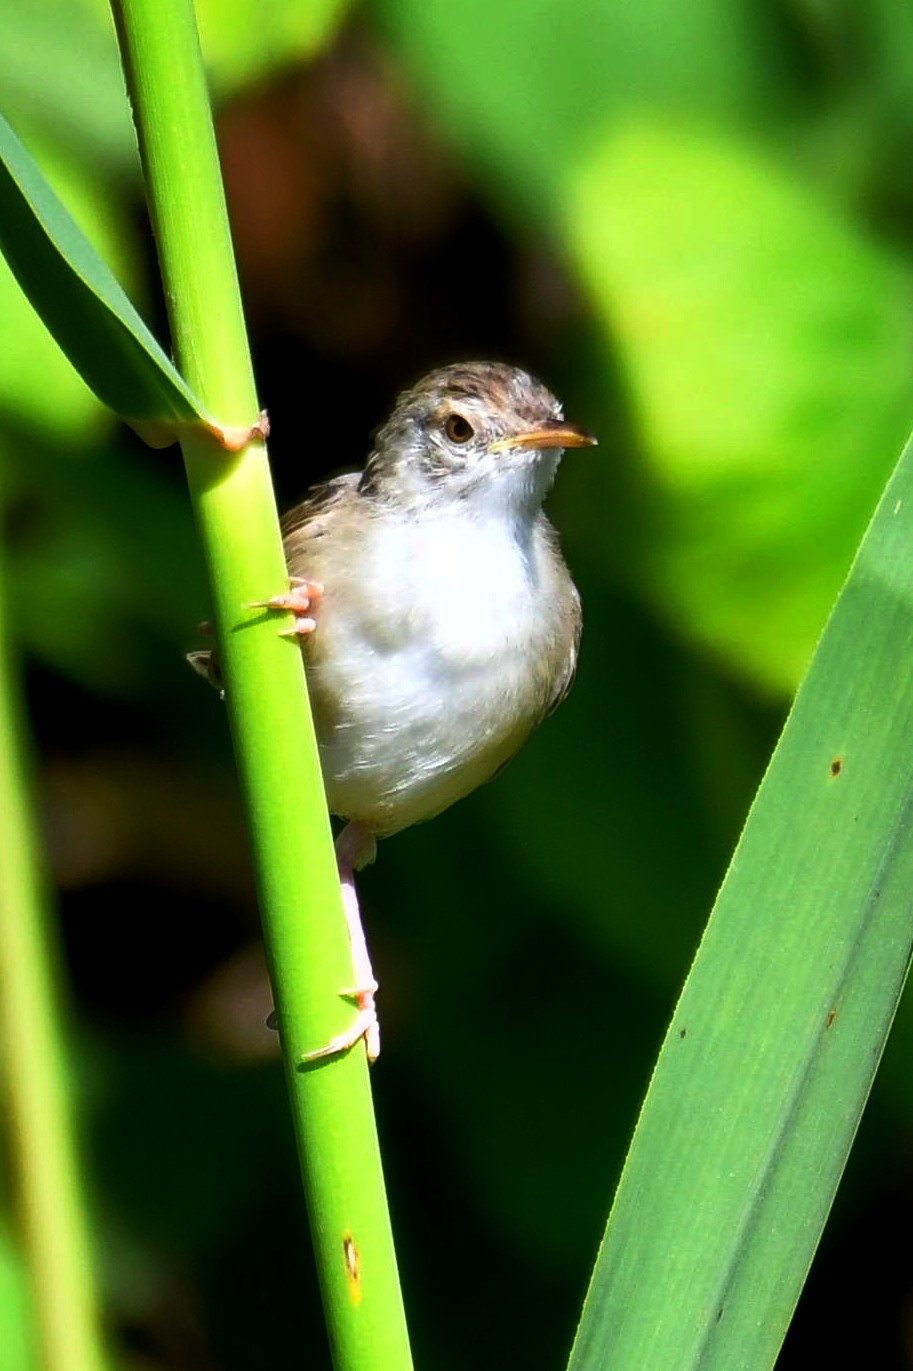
512 497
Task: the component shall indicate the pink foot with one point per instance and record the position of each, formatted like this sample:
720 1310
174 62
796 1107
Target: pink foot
300 598
365 1026
355 847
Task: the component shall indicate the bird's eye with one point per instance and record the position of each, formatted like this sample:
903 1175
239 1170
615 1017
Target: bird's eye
458 429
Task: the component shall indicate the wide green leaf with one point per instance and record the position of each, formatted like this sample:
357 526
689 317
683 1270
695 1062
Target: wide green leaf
766 344
59 70
243 42
84 306
523 88
60 76
773 1046
38 386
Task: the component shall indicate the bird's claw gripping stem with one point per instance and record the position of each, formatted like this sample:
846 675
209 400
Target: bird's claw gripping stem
355 846
301 597
365 1025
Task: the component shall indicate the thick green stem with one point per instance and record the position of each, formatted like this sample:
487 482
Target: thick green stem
35 1059
306 938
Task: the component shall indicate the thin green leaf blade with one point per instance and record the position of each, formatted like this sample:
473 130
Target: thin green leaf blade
83 305
772 1049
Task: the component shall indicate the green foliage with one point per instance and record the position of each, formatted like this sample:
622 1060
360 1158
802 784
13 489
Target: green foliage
525 87
767 345
81 303
704 211
242 42
61 1315
38 386
771 1052
63 86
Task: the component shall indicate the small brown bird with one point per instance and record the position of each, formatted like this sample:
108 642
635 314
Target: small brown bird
438 620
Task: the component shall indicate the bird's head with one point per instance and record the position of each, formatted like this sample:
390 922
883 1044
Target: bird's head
476 431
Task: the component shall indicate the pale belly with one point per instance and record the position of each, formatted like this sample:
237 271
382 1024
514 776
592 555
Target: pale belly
409 743
414 710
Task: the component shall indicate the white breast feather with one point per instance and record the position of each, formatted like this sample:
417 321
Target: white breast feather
430 692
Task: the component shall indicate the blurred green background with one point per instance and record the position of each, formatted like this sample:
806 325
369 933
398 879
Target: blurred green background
696 224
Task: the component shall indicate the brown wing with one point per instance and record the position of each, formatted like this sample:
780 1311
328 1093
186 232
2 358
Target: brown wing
571 624
564 681
304 524
556 684
302 527
318 506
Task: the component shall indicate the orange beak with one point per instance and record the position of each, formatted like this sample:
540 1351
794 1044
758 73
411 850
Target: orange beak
553 433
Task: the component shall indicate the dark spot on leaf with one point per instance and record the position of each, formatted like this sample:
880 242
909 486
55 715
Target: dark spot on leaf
352 1260
683 1032
836 766
831 1016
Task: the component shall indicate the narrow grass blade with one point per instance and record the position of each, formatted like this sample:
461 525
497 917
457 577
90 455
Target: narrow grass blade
37 1084
772 1049
84 307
